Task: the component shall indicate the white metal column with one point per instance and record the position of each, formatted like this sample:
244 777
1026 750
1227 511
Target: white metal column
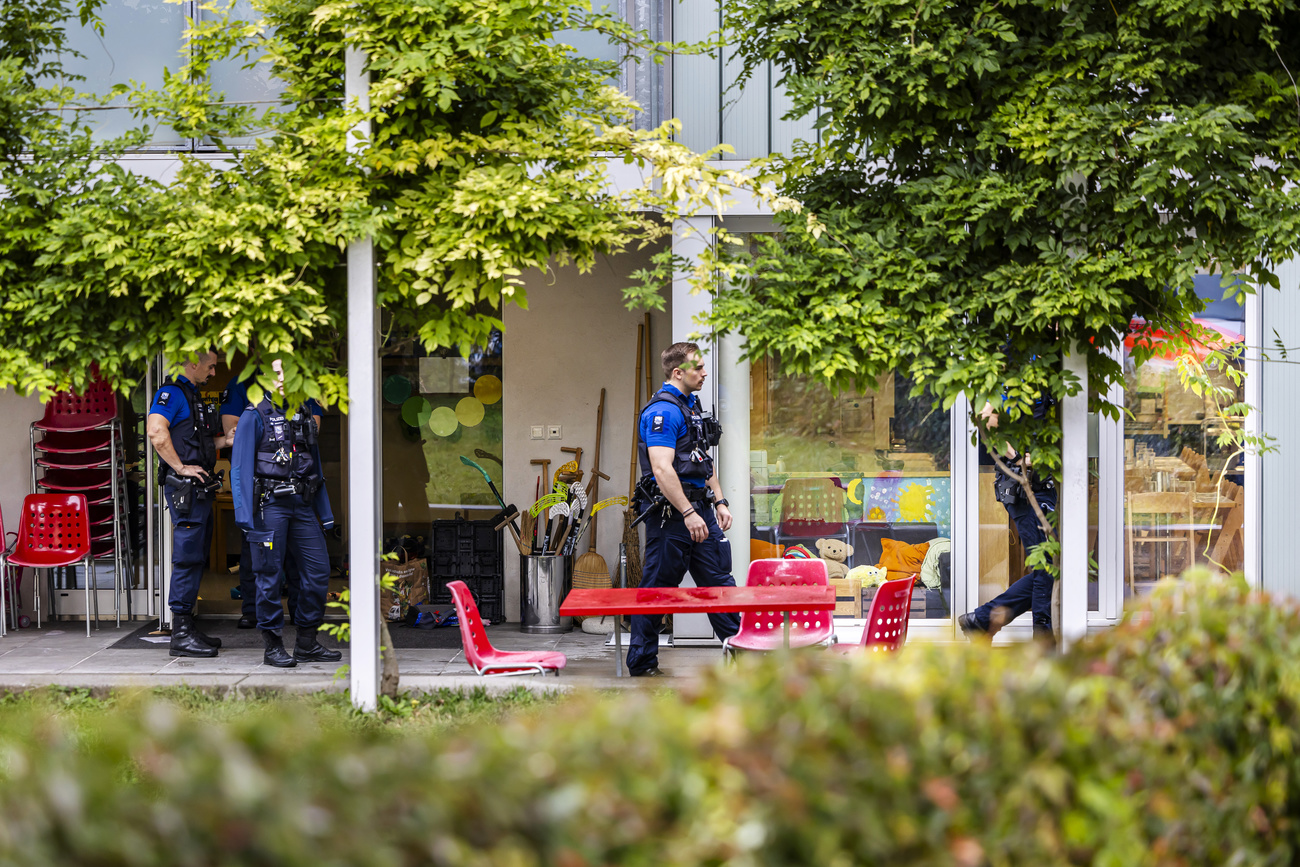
690 239
733 452
1073 508
1252 536
963 467
363 430
1110 511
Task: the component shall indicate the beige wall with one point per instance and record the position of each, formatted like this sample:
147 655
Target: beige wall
575 338
16 415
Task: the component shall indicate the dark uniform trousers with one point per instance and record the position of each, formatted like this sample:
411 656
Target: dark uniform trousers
191 539
290 526
669 555
248 582
1033 592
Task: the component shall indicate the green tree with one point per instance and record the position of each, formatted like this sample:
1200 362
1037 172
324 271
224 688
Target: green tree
488 157
997 182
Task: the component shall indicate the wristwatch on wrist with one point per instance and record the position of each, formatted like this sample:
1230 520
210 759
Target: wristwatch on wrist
722 503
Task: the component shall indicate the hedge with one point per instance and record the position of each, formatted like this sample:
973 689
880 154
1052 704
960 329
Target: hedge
1167 740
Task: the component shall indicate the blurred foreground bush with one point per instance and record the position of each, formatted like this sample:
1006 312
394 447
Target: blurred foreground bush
1168 740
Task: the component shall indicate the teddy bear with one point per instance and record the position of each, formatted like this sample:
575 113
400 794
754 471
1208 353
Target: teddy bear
835 553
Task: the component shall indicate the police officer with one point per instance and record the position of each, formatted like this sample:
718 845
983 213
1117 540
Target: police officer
1033 591
678 482
234 400
186 434
280 503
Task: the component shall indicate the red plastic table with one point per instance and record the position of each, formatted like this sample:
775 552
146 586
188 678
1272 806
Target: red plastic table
694 600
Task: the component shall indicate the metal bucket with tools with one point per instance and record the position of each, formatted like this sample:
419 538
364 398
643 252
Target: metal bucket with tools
544 581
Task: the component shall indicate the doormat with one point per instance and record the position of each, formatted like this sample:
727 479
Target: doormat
232 638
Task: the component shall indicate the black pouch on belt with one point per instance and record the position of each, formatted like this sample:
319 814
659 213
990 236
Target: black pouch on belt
182 494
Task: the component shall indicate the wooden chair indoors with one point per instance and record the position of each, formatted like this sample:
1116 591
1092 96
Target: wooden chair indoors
812 508
1155 519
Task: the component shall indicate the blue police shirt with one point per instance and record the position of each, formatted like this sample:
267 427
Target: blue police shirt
170 402
663 423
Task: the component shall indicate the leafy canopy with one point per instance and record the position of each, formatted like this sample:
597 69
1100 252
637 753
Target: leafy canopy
489 156
999 181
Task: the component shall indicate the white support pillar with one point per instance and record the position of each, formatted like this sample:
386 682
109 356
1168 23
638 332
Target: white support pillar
1073 506
690 239
363 430
733 451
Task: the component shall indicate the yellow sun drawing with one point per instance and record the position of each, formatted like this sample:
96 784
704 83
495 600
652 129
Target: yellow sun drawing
914 503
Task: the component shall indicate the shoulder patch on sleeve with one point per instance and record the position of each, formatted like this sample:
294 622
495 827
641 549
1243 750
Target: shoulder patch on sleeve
657 425
164 396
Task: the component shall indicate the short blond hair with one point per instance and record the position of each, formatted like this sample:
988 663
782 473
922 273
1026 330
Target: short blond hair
675 356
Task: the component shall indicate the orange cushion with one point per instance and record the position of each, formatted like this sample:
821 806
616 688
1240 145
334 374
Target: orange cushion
901 559
761 550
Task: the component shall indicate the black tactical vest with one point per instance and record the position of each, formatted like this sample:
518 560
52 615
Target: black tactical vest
285 450
691 460
192 436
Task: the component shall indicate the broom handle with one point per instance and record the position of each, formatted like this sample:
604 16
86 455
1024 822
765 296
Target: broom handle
649 366
636 408
595 473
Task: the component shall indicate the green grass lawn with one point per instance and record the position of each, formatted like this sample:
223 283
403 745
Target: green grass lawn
442 710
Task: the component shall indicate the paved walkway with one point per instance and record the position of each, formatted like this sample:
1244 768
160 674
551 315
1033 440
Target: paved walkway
61 654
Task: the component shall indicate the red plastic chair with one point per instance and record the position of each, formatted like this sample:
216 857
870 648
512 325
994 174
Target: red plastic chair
54 531
886 628
485 659
60 442
763 631
94 410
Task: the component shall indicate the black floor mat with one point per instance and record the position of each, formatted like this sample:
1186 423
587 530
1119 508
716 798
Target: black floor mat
442 638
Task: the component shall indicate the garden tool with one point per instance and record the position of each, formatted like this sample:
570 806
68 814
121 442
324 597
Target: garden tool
631 537
502 503
545 464
591 571
509 521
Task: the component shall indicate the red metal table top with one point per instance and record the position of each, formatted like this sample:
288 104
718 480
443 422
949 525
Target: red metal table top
685 600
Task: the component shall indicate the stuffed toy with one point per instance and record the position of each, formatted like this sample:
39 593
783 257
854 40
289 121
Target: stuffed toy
835 553
798 552
870 576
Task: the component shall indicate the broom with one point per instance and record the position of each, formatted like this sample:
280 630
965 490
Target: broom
631 535
591 571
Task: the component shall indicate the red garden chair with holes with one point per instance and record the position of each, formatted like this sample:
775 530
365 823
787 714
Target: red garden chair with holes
54 531
763 631
485 659
68 412
886 628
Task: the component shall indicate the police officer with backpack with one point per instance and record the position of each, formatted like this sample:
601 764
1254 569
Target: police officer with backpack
681 499
280 504
186 433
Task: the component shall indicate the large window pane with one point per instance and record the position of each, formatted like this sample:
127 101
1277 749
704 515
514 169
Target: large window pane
240 84
866 474
1184 500
141 38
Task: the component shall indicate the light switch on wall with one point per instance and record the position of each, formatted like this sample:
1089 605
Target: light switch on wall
553 432
538 432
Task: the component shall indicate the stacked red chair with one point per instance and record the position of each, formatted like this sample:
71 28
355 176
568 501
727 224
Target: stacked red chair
77 449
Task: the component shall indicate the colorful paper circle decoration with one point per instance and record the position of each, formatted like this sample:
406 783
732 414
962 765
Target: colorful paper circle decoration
416 411
469 411
442 421
488 389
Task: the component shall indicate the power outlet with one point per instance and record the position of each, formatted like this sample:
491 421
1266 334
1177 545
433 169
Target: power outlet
538 432
553 432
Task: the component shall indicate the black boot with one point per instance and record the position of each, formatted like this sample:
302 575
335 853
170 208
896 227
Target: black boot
209 640
275 653
307 649
185 641
246 621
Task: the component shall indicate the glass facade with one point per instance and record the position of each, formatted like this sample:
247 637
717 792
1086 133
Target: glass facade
860 478
1184 475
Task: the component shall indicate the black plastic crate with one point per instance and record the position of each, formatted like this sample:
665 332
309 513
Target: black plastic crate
473 552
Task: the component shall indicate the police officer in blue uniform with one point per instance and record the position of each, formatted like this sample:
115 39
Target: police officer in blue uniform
1033 591
234 400
280 504
685 530
186 434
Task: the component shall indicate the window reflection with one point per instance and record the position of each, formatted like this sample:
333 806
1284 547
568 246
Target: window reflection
864 474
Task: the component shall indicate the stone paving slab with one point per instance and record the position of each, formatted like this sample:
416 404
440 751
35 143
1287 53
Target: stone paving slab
62 655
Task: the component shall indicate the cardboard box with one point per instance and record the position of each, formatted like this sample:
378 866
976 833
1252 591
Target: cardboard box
848 598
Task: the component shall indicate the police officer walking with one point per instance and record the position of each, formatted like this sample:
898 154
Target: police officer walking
280 504
186 434
678 482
